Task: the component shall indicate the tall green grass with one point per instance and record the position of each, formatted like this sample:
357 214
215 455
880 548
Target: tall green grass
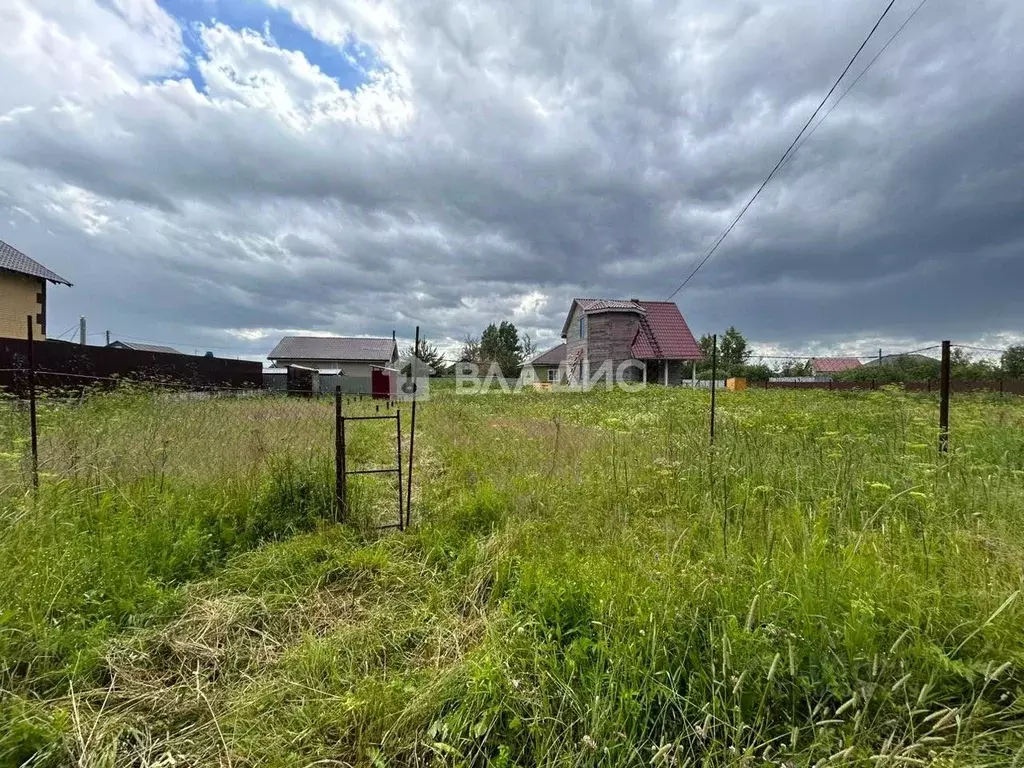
589 582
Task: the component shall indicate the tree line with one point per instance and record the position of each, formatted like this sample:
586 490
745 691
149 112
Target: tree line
734 360
500 344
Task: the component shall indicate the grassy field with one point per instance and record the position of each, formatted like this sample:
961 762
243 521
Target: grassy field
588 582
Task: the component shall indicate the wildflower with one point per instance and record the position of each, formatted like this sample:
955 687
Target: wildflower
589 743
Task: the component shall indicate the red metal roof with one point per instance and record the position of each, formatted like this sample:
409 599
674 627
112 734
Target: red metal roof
664 334
834 364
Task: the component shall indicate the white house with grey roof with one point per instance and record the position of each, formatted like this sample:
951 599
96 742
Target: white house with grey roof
350 358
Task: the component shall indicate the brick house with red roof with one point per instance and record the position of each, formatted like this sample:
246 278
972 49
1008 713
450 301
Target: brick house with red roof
627 340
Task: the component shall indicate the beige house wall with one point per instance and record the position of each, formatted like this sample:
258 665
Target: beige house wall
20 296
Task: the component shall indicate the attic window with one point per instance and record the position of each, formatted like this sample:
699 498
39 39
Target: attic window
583 327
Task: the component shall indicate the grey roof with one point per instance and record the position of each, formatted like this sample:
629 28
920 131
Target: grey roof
143 347
14 260
333 348
554 356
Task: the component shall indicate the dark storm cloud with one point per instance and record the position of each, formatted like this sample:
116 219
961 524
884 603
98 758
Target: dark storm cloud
514 155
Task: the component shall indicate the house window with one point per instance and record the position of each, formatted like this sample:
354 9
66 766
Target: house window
583 327
552 374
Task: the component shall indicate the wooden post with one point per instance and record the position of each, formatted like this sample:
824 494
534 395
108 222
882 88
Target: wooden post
33 426
944 400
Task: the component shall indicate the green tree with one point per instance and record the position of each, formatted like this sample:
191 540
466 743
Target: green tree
759 372
1012 362
500 344
962 366
732 349
796 368
732 353
529 346
706 348
470 350
430 355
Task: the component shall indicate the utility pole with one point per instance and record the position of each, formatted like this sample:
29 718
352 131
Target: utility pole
879 355
108 338
81 330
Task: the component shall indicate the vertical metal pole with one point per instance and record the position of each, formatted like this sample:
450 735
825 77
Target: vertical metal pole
412 427
714 377
32 402
944 400
81 331
398 445
340 478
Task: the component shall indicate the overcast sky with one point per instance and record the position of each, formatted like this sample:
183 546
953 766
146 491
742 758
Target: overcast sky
217 173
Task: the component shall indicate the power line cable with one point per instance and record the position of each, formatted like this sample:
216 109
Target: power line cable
981 349
770 176
61 336
857 80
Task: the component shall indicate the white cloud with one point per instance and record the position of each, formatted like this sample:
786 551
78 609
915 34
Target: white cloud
80 49
249 69
508 155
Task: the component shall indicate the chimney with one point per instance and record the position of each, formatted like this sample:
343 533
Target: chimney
635 301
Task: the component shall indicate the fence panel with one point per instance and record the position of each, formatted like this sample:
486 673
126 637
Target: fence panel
71 360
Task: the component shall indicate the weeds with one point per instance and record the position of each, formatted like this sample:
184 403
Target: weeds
588 582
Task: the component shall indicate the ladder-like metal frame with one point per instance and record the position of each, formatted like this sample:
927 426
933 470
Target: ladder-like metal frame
343 471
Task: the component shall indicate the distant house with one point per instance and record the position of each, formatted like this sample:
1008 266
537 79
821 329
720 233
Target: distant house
352 360
826 366
631 340
23 293
548 366
143 347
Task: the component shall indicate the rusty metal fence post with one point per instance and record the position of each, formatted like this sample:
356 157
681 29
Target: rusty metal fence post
714 379
398 454
33 426
944 400
412 426
340 482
